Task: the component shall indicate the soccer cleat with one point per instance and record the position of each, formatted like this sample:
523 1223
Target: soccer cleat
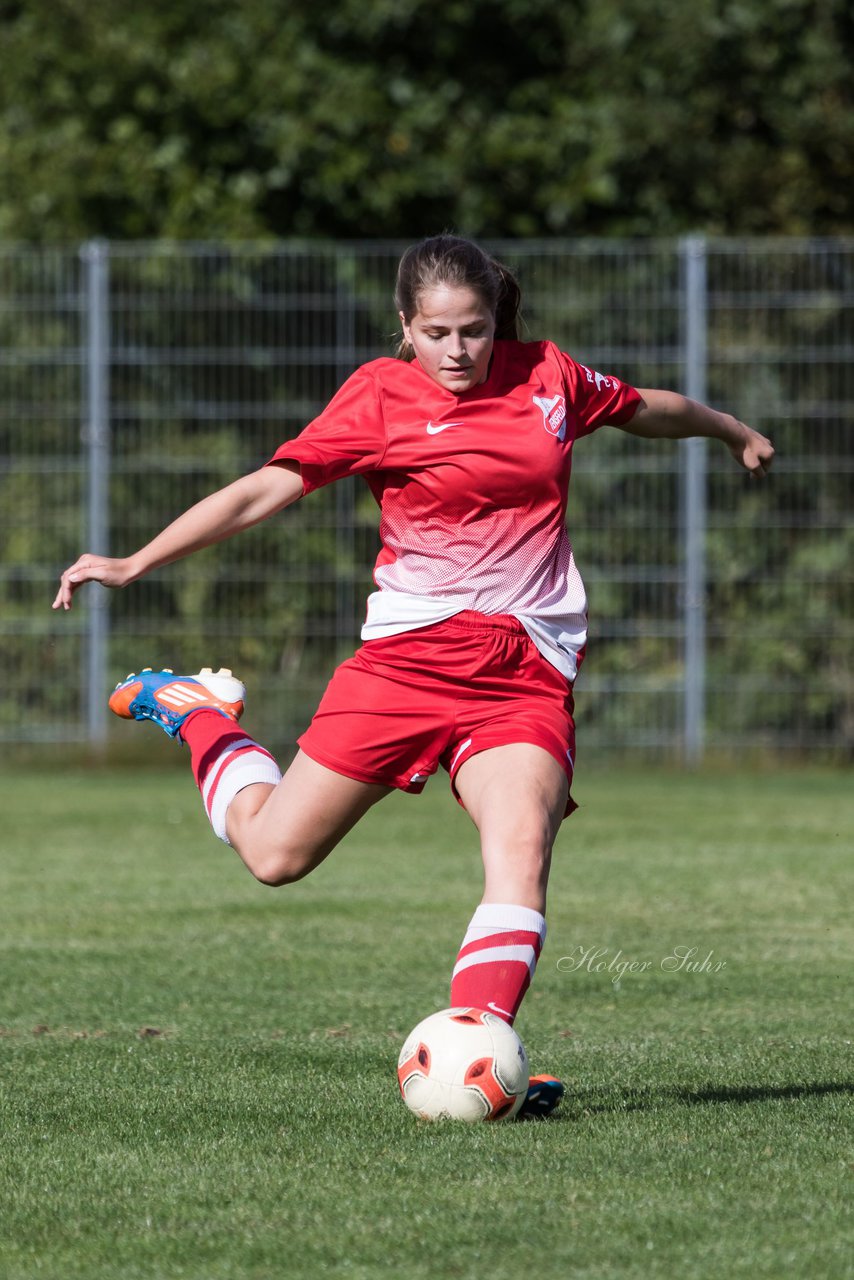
544 1095
168 699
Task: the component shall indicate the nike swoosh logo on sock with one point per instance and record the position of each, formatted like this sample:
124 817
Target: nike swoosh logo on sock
505 1013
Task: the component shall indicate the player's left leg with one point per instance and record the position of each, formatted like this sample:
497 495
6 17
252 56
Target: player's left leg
517 797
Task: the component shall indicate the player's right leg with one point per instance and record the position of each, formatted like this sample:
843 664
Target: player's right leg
281 827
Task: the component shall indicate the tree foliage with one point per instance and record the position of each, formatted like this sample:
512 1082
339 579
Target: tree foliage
274 118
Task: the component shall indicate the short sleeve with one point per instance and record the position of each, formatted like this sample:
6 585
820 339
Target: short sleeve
597 398
348 438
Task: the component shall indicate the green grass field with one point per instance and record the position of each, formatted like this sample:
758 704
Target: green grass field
198 1073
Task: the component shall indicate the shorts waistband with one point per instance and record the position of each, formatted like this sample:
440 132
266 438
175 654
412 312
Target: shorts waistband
471 620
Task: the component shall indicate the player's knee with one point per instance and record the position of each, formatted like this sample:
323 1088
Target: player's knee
278 865
274 875
525 855
535 858
532 841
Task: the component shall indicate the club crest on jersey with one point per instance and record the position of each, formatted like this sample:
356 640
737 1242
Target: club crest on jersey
553 409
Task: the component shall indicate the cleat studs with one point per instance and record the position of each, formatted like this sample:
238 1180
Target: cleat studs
144 669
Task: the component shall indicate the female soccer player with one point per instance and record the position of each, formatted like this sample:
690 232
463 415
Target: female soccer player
475 633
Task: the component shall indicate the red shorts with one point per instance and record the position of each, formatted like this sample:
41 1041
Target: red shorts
405 704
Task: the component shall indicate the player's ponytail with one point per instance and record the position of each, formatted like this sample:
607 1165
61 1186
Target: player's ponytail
509 302
456 263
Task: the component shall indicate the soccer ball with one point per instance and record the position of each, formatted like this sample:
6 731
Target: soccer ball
463 1064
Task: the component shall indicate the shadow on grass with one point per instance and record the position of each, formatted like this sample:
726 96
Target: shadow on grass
652 1100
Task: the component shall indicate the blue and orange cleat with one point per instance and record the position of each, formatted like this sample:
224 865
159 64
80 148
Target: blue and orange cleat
544 1095
168 699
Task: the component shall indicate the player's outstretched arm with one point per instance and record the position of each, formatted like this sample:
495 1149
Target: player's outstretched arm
666 415
238 506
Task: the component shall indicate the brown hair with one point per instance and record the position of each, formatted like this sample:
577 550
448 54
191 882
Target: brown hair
457 263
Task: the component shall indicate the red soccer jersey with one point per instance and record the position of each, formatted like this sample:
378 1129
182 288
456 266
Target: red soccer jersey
472 488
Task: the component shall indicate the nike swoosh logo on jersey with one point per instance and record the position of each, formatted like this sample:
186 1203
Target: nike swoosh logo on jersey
434 428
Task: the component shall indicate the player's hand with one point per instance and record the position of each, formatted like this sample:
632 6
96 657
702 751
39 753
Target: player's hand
751 450
109 572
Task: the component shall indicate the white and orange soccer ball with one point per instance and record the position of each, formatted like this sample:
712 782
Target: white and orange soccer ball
463 1064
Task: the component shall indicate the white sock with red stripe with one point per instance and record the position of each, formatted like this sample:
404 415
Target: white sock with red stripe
224 761
497 959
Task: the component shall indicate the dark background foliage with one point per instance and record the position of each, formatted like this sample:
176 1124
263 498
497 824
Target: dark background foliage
275 118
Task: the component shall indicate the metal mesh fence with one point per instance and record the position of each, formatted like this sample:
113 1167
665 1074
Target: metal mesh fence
135 378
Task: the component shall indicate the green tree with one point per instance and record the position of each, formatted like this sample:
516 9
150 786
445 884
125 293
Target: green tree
274 118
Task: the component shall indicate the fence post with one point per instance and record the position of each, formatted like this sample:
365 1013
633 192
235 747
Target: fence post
96 436
345 490
695 340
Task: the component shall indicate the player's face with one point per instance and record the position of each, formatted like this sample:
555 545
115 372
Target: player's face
452 333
